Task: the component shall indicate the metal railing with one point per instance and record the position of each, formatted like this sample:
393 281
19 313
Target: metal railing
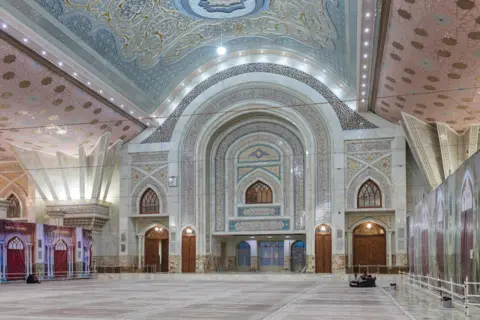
461 294
149 268
376 269
21 277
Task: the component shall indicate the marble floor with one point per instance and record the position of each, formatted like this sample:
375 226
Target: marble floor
255 297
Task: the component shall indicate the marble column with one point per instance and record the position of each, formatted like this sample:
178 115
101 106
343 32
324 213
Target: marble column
389 248
4 204
350 248
4 263
140 250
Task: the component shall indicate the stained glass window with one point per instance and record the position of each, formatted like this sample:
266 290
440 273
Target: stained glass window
149 204
259 192
369 195
13 210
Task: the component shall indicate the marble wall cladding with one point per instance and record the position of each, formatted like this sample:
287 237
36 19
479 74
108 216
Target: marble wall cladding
78 267
128 261
401 260
231 263
286 262
210 263
174 264
40 269
200 264
112 261
254 263
310 264
338 263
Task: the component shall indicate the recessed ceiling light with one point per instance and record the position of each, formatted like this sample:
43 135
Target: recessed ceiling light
148 123
252 237
60 64
4 25
364 66
140 118
25 40
131 112
364 76
288 237
363 93
363 84
261 51
366 43
44 52
101 91
89 83
367 30
363 100
121 106
74 74
365 56
221 50
368 14
111 99
239 53
183 84
168 100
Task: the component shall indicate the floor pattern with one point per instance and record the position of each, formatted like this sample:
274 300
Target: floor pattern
211 299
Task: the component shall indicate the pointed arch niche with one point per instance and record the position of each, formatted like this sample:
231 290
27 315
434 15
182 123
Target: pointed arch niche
149 202
258 193
369 195
14 209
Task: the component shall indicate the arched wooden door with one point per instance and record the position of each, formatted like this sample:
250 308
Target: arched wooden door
188 250
156 249
298 256
243 256
60 258
369 245
323 249
15 259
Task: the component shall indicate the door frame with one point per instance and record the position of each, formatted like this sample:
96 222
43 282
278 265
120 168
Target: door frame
188 233
141 241
323 230
165 236
385 235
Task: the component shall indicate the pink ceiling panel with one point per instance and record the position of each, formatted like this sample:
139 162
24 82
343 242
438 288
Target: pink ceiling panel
431 61
41 110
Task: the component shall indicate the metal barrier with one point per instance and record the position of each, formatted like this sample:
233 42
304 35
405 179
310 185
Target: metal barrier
21 277
150 268
459 293
377 269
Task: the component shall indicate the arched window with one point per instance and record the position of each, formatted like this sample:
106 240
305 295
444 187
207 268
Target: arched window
149 203
258 192
13 210
369 195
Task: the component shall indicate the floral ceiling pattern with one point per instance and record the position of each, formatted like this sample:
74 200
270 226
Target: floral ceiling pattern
430 62
41 110
156 44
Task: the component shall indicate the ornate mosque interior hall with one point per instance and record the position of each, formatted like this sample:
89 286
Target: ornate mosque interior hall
286 145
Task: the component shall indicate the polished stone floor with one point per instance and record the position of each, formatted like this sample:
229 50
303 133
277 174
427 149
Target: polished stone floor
251 297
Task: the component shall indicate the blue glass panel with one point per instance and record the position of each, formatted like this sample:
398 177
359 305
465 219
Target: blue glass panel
271 253
243 254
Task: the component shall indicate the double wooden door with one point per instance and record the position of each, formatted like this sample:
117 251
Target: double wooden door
369 250
323 253
156 254
188 253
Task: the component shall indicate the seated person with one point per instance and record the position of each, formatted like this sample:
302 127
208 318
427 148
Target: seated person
32 279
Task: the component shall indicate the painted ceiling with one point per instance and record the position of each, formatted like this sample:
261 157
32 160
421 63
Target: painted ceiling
431 60
41 108
156 44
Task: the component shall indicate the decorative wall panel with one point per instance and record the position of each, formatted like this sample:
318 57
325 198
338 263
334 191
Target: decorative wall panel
264 211
259 225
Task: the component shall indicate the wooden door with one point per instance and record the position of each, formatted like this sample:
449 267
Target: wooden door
188 253
15 260
369 250
60 258
323 252
164 267
151 255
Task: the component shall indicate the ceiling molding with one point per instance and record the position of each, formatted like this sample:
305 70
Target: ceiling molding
378 58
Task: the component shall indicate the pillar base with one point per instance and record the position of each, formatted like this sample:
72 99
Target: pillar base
401 260
287 263
231 263
310 264
254 263
338 263
174 264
